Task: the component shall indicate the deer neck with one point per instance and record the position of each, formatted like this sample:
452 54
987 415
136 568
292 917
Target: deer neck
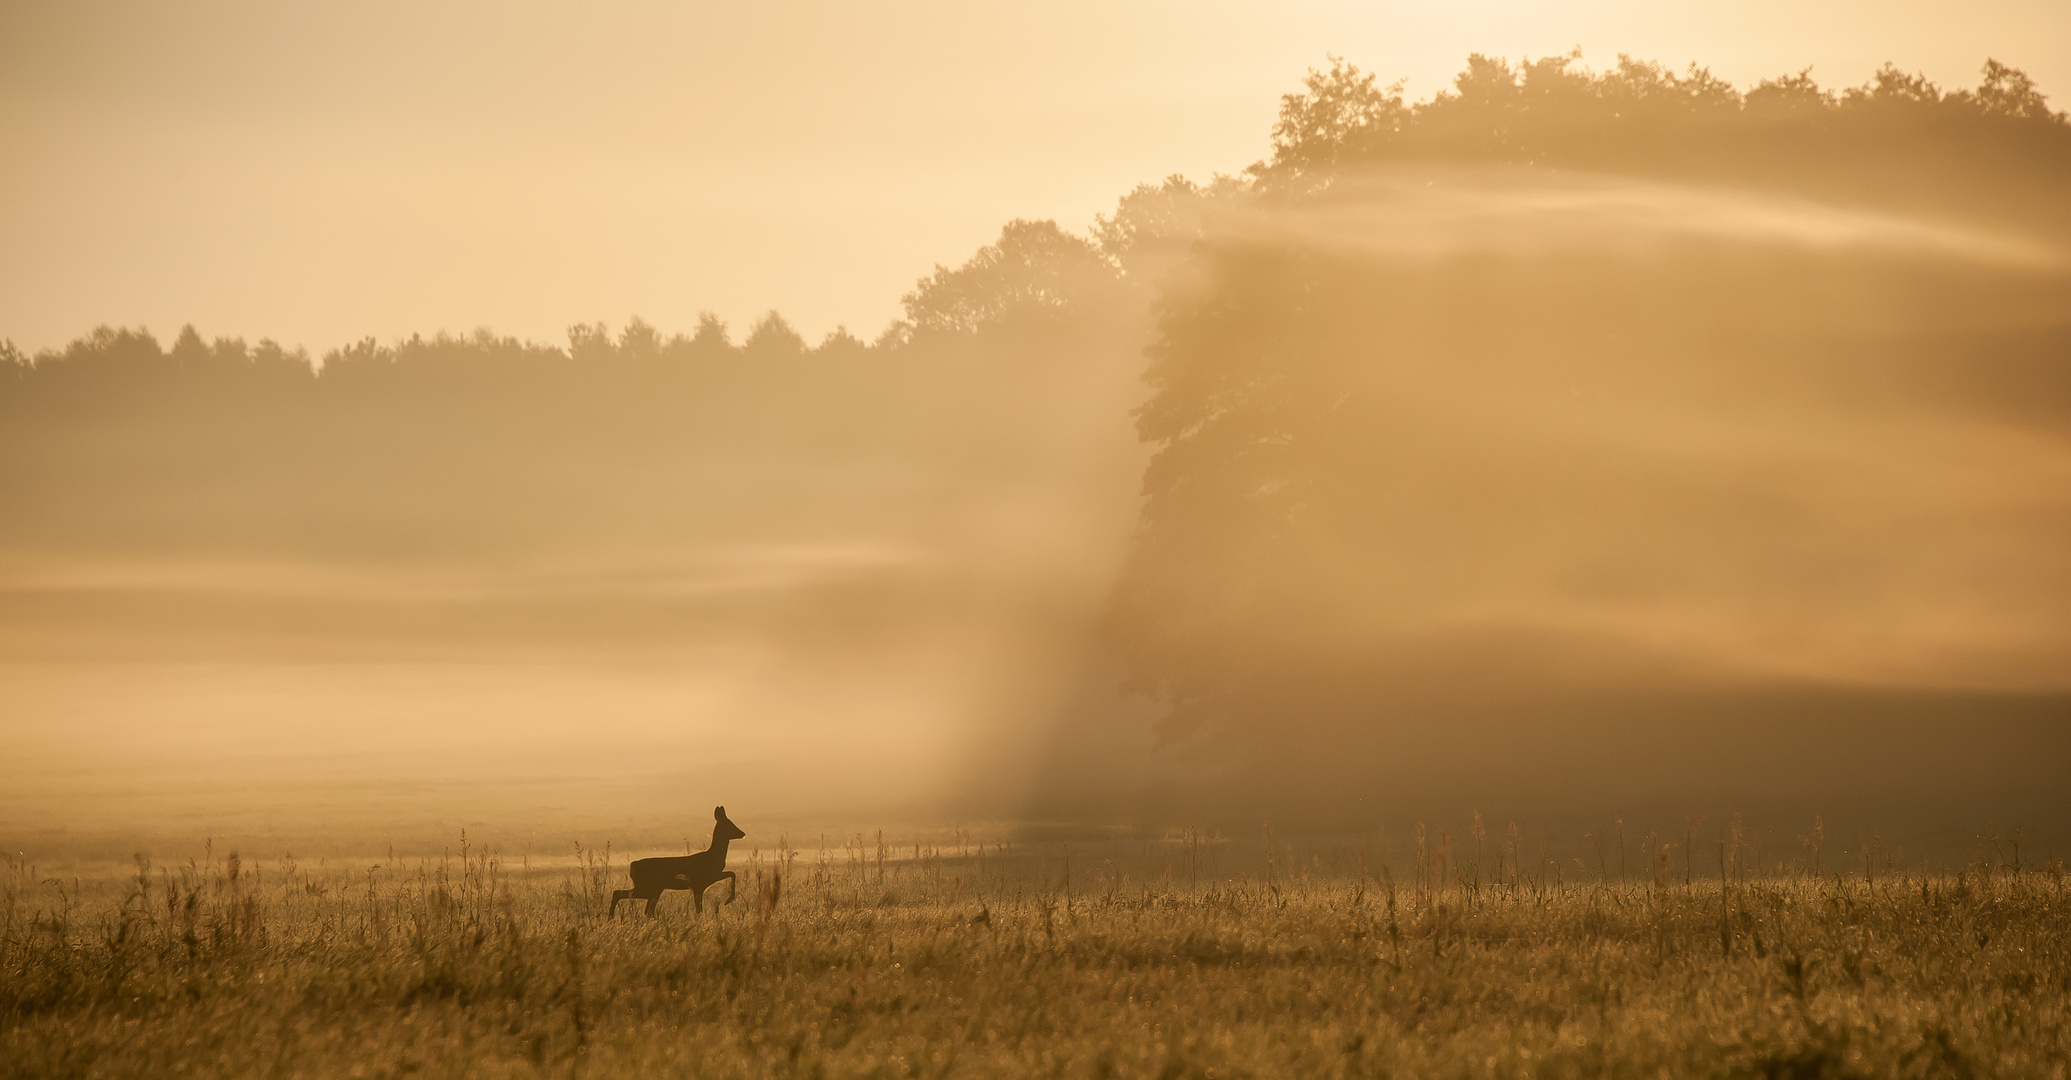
719 842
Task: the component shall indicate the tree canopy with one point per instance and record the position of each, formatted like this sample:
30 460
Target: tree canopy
1427 406
1640 116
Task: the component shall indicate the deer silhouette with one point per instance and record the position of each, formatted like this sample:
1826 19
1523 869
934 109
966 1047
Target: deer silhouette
651 877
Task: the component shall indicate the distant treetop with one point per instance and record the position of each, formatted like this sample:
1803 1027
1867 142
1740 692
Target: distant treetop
1034 269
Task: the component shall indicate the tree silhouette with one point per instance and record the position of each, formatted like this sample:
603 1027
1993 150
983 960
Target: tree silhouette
1035 270
771 338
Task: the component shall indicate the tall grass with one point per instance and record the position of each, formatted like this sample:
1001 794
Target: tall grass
1191 956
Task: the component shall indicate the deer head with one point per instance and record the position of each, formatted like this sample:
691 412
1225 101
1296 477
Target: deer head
725 830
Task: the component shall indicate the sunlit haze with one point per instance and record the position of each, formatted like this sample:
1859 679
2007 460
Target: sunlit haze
557 421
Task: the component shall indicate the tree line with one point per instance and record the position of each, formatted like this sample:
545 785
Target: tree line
1896 131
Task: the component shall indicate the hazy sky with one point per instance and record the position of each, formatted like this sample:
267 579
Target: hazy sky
319 173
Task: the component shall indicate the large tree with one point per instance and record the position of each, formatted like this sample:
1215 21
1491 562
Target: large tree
1569 386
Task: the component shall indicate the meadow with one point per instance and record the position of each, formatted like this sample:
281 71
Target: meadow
1181 956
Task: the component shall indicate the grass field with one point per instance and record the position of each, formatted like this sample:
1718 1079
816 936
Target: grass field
1154 959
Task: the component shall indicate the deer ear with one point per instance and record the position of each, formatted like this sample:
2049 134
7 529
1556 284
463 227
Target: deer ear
719 813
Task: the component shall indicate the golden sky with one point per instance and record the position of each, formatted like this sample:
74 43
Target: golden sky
318 173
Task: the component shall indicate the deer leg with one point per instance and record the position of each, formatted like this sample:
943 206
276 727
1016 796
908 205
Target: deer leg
616 896
697 896
733 886
652 902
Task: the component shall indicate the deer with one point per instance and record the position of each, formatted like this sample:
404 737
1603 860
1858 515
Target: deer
651 877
